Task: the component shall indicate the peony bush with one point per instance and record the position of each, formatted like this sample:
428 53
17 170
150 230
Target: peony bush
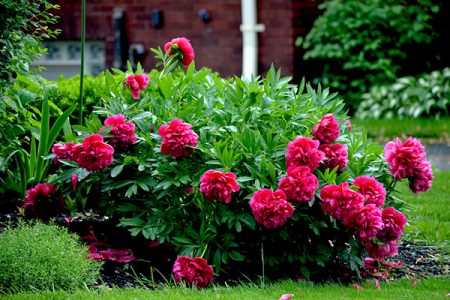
234 173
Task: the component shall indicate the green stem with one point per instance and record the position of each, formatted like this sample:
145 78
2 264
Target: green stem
204 250
262 264
83 32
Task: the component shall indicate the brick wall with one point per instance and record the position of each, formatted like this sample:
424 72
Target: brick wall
217 44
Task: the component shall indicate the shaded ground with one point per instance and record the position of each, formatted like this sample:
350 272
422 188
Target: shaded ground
418 260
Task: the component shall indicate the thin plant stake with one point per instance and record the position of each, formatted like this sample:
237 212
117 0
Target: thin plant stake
83 31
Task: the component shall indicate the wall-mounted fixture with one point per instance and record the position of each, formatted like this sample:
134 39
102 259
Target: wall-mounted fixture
157 18
204 15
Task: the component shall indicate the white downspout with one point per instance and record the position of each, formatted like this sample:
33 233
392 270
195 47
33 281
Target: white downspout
249 29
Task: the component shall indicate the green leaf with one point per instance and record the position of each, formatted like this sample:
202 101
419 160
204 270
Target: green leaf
116 171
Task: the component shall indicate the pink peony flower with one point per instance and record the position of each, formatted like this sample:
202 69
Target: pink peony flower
177 136
194 271
181 47
218 185
371 189
122 131
340 202
303 152
403 158
41 201
62 151
422 179
93 154
327 130
137 83
270 208
335 155
299 185
381 251
365 222
394 225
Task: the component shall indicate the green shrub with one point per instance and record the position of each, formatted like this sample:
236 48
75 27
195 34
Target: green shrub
427 95
43 257
24 25
367 43
68 93
243 127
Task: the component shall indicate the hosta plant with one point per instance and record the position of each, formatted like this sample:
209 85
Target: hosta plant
239 172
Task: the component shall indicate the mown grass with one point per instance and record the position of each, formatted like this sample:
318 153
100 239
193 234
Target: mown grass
429 213
432 288
425 129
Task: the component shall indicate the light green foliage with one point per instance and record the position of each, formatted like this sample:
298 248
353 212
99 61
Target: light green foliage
24 25
430 288
43 257
366 43
427 95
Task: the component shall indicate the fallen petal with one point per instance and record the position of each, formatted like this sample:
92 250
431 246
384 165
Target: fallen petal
358 287
286 296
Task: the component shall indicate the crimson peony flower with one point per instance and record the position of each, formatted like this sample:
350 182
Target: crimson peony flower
327 130
381 251
394 225
218 185
403 158
137 83
93 154
177 136
335 155
408 160
299 184
340 202
62 151
365 222
371 189
270 208
422 179
193 271
41 201
182 48
303 151
122 131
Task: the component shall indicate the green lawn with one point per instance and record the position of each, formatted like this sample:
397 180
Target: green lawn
429 213
424 129
432 288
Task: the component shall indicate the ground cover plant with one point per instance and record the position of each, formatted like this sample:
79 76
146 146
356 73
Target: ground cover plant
43 257
228 174
427 95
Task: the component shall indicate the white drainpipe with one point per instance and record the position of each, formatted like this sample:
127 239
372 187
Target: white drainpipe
249 29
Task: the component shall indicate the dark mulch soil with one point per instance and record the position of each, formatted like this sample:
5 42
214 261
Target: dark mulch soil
418 260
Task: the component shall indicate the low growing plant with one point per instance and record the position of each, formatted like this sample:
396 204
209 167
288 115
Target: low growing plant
43 257
427 95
